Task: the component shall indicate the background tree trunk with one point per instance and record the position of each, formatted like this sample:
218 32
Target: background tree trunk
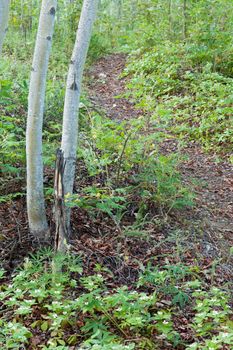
184 20
35 196
4 14
170 30
72 96
119 9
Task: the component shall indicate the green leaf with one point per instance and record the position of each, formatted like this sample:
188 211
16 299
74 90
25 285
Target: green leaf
44 326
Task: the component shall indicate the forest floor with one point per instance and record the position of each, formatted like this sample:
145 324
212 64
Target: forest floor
206 231
201 234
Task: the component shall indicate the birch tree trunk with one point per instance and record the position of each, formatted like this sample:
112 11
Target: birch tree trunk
4 14
61 236
184 20
35 195
170 18
119 9
72 96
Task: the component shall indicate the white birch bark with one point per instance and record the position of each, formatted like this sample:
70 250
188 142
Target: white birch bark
119 9
35 195
4 14
73 91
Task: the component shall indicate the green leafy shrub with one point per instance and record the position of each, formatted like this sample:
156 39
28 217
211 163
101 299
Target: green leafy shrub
126 155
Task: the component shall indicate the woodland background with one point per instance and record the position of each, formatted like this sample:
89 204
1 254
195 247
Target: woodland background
150 261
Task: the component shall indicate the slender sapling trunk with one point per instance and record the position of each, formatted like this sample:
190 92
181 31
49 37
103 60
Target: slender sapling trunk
35 194
72 96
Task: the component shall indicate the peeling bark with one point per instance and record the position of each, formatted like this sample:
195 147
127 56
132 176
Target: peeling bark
61 237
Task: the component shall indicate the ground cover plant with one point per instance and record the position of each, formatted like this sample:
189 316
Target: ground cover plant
51 308
191 101
149 256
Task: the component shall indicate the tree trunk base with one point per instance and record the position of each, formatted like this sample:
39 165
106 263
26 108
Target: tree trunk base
61 234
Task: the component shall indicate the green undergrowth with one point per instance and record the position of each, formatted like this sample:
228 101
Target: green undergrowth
126 171
185 96
125 154
50 304
15 65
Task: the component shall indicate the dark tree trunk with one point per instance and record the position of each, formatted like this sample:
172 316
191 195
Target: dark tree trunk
61 235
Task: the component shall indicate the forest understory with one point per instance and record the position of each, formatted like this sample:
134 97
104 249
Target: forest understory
138 106
202 233
198 237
